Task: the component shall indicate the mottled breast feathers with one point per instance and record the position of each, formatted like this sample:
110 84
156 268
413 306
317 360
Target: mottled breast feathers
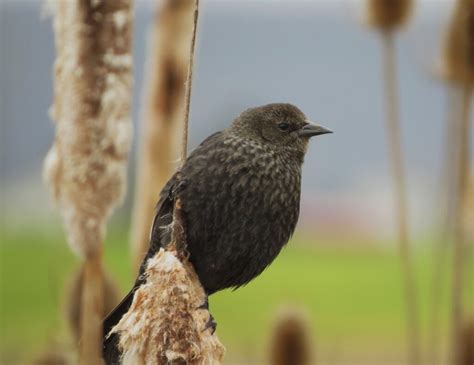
241 203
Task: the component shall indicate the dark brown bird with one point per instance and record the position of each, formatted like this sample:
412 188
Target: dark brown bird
240 195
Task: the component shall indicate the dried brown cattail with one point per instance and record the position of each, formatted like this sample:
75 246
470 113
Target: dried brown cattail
458 50
86 166
92 92
290 343
74 300
162 115
388 15
457 68
168 328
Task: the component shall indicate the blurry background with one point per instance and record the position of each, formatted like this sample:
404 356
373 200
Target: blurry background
341 266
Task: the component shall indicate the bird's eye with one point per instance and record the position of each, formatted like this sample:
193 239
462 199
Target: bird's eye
284 126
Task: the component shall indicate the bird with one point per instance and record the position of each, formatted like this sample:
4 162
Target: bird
240 200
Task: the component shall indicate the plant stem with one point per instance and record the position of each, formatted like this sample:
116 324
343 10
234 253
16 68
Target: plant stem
459 233
396 156
189 82
448 201
90 352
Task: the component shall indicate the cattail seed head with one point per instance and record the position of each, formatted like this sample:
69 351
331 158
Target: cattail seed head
467 343
458 50
388 15
168 328
290 344
86 166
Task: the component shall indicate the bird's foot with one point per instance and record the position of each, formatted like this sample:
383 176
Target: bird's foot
210 324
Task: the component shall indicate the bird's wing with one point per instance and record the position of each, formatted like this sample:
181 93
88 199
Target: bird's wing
160 235
164 210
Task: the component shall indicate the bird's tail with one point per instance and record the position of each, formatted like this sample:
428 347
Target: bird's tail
110 349
163 218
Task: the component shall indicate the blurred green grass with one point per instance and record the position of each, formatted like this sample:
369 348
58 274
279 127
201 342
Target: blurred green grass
352 293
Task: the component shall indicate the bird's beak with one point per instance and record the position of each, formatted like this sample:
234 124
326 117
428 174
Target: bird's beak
310 130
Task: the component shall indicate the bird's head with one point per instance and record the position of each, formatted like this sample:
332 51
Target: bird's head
282 125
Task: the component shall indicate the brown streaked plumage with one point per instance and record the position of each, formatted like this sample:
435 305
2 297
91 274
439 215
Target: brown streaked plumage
240 194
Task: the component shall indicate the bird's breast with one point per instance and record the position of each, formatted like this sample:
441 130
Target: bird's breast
241 208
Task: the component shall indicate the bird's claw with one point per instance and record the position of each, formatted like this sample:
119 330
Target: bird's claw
210 324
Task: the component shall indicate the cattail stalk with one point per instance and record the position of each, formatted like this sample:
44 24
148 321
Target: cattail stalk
458 60
446 223
92 311
162 116
75 297
401 209
189 84
460 233
86 166
449 171
387 16
457 71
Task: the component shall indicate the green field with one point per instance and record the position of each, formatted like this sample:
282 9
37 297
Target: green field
352 294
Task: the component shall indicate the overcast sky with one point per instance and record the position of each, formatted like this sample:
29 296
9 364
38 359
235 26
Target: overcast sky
312 53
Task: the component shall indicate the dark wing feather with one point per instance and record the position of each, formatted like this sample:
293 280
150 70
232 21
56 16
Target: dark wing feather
160 235
164 212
